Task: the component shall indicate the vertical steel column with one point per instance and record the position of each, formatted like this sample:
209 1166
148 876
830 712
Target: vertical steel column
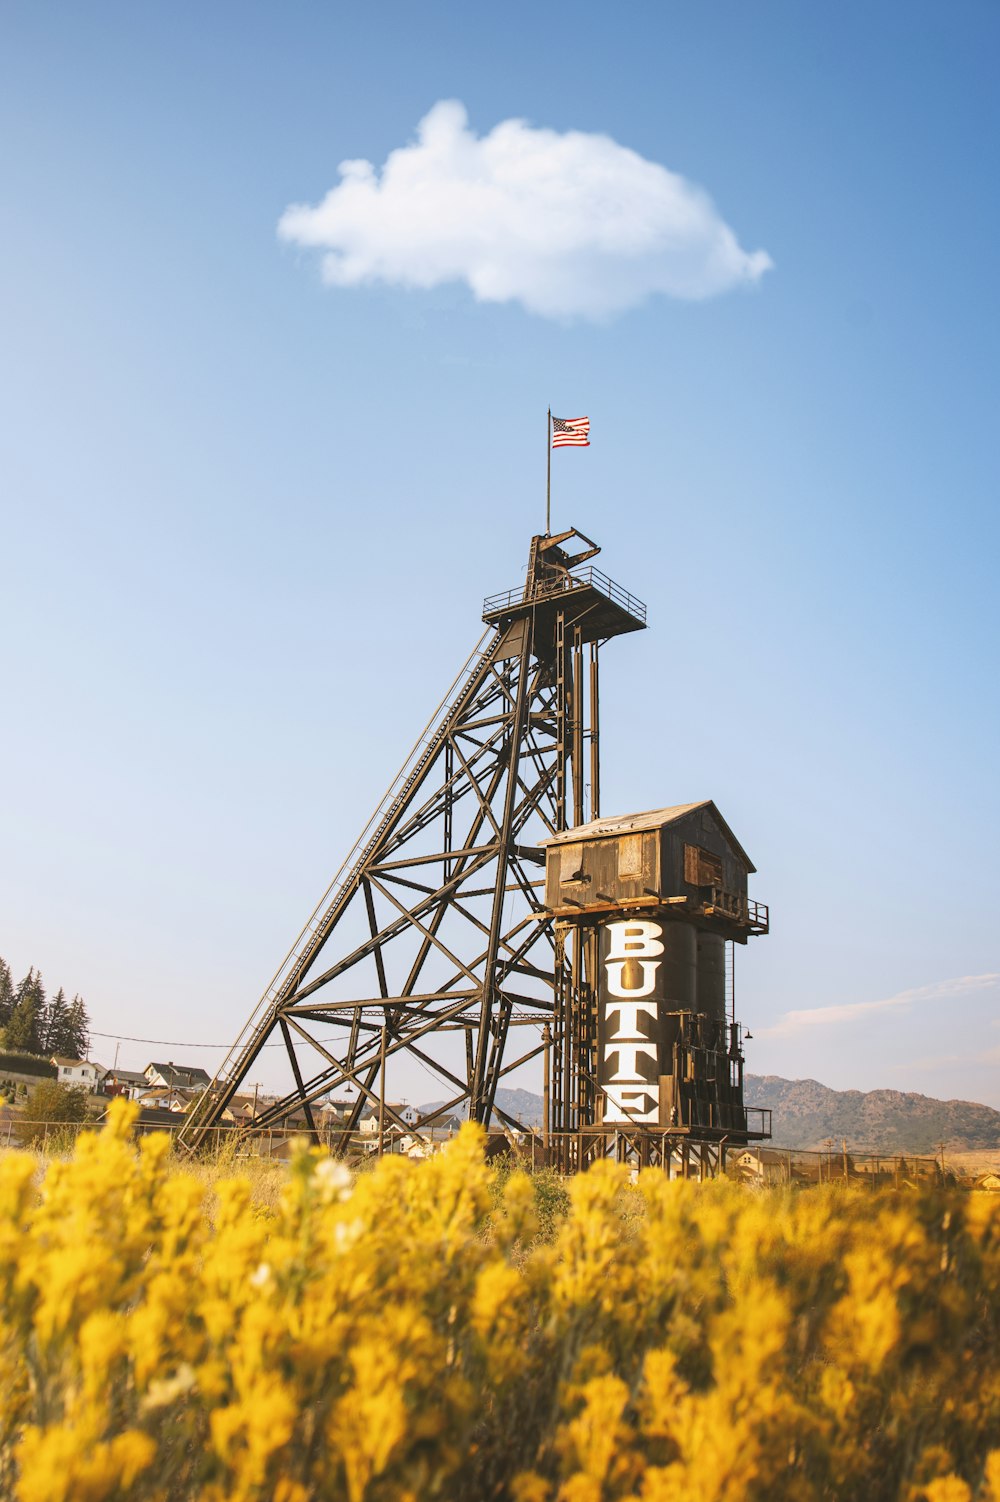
562 719
560 1032
491 1000
381 1093
577 722
588 1031
449 772
595 736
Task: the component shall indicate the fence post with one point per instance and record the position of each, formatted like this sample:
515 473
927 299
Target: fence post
546 1083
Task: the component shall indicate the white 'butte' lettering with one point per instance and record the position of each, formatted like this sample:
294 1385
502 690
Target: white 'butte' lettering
638 941
630 1103
646 986
628 1017
634 940
628 1058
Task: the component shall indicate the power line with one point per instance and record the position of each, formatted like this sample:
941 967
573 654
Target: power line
165 1042
517 1015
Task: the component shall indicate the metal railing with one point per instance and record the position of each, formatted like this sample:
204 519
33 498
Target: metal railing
759 916
743 909
581 578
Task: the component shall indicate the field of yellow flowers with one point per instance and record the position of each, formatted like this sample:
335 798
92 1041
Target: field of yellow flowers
444 1331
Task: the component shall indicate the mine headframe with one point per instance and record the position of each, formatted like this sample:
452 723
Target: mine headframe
647 1059
433 941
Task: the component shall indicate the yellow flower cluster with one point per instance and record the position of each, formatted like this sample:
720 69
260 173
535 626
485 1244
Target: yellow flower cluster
415 1335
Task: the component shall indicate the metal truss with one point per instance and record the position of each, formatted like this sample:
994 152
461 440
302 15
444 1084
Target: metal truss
432 942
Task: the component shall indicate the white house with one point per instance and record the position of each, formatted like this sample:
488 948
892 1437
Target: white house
369 1117
184 1076
749 1162
163 1098
78 1071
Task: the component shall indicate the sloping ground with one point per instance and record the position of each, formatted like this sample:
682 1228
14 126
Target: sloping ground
807 1113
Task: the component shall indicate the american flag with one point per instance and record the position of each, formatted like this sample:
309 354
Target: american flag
571 432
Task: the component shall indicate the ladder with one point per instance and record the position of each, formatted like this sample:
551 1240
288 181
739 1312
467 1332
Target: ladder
316 931
731 980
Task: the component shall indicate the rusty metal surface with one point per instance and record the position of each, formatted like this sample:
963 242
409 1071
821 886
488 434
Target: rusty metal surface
660 818
685 859
645 907
507 601
435 925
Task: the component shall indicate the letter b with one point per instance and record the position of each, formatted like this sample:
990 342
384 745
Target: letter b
634 940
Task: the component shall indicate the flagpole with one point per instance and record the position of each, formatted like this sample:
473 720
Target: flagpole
548 474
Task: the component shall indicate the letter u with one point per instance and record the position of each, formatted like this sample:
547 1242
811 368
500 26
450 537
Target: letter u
614 969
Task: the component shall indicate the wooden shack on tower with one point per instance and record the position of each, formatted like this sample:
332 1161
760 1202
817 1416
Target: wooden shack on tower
653 903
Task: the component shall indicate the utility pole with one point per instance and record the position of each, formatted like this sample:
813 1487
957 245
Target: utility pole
546 1083
381 1093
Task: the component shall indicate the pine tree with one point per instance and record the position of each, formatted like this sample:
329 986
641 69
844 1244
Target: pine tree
56 1034
22 1033
78 1029
6 994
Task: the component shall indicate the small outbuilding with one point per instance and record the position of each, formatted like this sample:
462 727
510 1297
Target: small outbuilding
684 857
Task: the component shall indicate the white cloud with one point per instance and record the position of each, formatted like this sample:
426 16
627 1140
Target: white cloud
569 225
945 990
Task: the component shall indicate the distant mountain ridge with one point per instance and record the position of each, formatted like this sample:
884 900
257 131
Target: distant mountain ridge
808 1115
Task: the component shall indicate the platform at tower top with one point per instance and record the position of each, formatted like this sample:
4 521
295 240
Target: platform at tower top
609 610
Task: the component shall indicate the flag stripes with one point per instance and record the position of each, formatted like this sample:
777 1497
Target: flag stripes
571 432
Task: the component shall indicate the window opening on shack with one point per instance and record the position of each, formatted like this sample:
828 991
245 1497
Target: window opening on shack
701 867
630 855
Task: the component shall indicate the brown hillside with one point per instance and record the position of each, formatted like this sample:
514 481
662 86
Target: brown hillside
807 1114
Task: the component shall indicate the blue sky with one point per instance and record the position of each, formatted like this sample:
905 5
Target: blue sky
248 519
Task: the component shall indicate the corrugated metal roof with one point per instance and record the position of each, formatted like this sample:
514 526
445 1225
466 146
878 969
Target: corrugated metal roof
653 818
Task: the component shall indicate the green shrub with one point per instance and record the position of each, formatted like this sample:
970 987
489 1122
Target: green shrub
52 1105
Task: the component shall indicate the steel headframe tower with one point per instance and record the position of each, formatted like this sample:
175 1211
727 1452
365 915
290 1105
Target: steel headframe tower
433 940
